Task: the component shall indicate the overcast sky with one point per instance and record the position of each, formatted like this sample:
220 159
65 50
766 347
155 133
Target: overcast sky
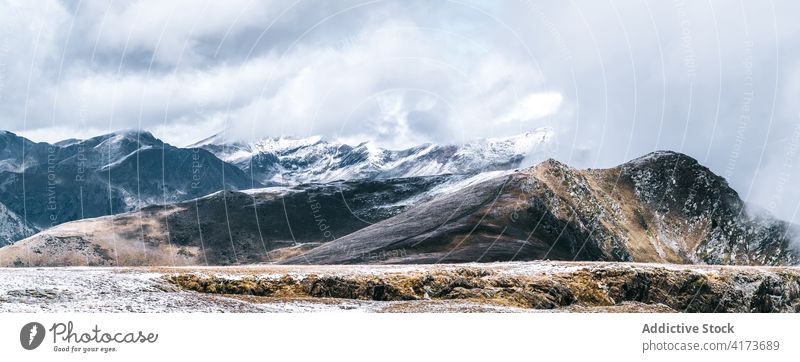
718 80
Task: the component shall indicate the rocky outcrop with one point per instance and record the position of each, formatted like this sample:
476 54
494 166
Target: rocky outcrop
535 285
12 226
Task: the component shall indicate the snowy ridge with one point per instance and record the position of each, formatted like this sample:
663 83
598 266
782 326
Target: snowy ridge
288 161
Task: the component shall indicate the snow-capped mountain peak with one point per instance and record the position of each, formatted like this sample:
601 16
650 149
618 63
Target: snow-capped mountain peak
284 144
288 160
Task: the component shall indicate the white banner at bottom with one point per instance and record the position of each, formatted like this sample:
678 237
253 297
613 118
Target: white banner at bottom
397 337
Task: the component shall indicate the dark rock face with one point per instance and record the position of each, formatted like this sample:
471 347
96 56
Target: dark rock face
675 186
246 228
13 226
160 176
431 230
17 152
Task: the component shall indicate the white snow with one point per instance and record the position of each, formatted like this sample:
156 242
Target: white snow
12 226
87 289
313 159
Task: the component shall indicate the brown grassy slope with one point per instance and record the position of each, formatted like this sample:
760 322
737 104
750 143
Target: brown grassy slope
663 208
223 228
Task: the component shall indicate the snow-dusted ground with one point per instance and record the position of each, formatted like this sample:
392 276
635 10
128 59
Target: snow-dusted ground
141 290
84 289
97 290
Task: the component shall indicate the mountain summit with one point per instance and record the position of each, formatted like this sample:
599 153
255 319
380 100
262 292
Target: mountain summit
291 161
664 207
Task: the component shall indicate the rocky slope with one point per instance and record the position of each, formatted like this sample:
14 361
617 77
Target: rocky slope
17 153
287 161
12 226
228 227
663 207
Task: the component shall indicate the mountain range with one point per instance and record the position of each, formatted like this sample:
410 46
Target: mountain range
48 184
43 185
288 161
311 201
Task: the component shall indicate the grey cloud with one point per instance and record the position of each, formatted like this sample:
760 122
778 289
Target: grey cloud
630 76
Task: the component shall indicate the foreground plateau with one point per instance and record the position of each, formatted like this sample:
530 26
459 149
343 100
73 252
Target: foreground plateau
490 287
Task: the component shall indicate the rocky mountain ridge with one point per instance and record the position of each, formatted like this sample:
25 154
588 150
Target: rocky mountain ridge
104 175
664 208
127 170
291 161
